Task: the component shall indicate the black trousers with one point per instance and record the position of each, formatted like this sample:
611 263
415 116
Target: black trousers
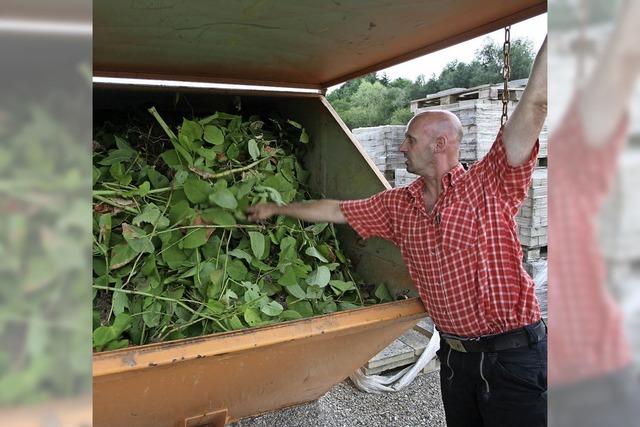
612 400
506 388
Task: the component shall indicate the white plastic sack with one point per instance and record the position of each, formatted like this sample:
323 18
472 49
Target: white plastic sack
398 381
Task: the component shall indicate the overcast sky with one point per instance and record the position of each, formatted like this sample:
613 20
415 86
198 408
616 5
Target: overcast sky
535 29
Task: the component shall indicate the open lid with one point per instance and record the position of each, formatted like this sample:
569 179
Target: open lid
292 43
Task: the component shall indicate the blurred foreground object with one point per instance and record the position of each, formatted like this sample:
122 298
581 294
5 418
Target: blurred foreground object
591 371
45 356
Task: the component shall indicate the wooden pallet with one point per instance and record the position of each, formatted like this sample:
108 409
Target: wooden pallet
404 351
532 254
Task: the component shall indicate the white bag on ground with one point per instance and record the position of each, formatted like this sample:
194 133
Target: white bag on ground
398 381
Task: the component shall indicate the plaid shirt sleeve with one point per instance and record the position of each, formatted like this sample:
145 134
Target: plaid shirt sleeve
372 216
510 181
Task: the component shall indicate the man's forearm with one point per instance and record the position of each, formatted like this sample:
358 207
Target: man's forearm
523 127
314 211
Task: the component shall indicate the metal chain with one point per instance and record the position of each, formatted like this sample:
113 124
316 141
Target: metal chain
506 73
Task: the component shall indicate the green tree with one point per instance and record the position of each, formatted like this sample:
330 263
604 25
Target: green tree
373 100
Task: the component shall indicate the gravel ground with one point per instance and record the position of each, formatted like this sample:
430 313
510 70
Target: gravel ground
419 404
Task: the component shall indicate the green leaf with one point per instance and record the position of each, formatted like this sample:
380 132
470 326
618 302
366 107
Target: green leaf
213 135
191 130
254 151
340 286
236 270
296 291
119 302
291 315
314 292
137 238
180 177
144 188
313 252
235 323
218 216
151 214
288 251
173 256
197 190
157 179
328 307
121 255
304 138
180 212
121 323
102 335
233 152
252 317
195 238
152 312
104 225
319 277
289 277
343 305
303 308
171 158
239 253
257 244
294 124
117 345
182 151
215 306
96 175
318 228
224 198
382 293
272 309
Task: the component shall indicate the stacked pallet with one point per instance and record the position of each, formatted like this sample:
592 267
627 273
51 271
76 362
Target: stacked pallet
532 218
382 145
404 177
404 351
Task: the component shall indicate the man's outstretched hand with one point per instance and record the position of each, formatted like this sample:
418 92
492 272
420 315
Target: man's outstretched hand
261 212
311 211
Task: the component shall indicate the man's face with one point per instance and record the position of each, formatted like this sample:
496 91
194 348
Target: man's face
417 150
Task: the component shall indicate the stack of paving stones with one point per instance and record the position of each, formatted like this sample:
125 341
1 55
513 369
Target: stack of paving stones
382 145
532 218
404 178
404 351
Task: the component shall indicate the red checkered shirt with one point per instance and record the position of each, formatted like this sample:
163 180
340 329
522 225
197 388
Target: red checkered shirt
464 256
587 323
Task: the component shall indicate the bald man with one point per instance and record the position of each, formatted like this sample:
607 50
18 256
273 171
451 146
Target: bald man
457 234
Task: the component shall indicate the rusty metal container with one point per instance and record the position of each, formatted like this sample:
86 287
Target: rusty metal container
216 379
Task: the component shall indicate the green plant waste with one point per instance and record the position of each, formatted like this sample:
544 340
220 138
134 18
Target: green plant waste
173 254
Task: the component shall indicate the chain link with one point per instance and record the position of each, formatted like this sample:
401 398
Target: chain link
506 73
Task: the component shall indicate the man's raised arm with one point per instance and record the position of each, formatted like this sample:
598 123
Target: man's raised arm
523 127
312 211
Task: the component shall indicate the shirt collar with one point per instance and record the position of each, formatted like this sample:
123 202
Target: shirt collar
451 177
416 188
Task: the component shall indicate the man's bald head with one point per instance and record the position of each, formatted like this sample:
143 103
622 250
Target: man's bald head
432 143
438 123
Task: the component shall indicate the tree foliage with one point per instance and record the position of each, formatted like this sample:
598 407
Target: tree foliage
374 100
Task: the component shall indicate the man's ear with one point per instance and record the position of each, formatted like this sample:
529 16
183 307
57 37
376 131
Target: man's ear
439 144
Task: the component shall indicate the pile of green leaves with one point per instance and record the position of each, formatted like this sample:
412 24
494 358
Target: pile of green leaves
174 256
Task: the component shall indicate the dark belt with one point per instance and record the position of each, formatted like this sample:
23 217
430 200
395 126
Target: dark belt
517 338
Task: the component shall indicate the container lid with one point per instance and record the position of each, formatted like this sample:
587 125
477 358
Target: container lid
292 43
